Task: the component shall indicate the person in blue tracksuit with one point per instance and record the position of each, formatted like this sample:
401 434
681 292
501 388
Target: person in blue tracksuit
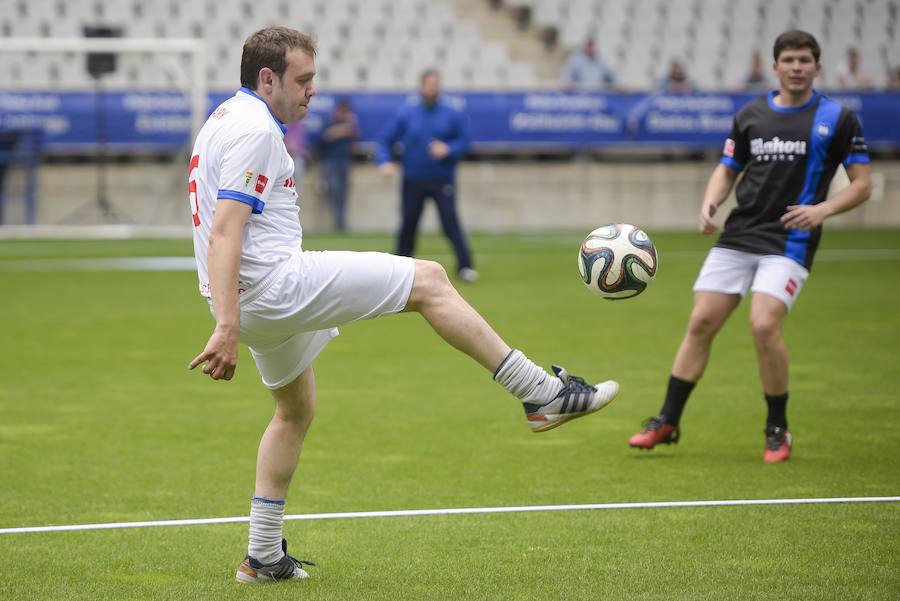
335 149
434 137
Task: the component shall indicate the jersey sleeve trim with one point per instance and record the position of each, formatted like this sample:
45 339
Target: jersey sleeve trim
254 202
729 162
856 158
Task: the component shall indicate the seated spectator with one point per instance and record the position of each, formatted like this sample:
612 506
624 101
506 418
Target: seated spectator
850 75
756 79
676 80
585 69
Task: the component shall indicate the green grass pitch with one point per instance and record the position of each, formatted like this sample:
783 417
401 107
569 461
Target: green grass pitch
100 421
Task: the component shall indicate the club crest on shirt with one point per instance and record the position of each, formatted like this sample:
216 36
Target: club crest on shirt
823 129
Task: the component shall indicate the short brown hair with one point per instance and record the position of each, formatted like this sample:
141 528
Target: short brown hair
268 48
795 40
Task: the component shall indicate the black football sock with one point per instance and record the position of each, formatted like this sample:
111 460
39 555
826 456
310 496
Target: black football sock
676 397
777 410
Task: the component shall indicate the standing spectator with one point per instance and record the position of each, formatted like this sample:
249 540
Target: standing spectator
296 143
434 137
850 75
756 79
586 69
676 80
335 146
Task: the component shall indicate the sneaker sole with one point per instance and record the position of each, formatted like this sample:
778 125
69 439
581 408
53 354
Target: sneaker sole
650 448
549 425
243 577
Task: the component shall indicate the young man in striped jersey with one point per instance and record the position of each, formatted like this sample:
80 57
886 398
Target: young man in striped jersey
788 145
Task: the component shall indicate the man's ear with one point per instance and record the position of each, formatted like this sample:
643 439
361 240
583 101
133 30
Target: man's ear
266 77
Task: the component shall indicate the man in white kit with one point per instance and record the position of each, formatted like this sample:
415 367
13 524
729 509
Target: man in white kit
285 303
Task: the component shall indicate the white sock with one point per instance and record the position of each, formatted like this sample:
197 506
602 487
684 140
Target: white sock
266 520
522 378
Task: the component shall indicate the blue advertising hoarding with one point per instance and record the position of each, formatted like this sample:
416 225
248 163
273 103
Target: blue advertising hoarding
160 121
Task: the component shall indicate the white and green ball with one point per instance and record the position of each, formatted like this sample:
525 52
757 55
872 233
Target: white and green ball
617 261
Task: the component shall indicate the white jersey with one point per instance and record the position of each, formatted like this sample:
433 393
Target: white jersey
239 156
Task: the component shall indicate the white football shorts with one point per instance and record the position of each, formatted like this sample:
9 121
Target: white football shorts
735 272
296 316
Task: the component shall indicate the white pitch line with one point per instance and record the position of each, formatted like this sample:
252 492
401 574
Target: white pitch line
458 511
103 264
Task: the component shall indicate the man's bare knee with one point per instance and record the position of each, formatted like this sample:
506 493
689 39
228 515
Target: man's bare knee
766 330
295 403
429 284
703 324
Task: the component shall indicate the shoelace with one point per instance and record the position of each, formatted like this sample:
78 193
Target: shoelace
652 424
774 438
576 384
300 562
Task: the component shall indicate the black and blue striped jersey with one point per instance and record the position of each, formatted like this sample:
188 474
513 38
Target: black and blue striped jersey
788 156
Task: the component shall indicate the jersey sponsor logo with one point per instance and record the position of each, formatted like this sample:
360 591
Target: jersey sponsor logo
791 286
777 149
219 112
290 183
261 181
729 148
247 177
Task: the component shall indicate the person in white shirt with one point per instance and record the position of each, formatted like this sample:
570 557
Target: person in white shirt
585 69
850 74
286 303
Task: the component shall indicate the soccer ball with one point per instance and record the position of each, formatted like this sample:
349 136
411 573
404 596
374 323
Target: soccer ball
617 261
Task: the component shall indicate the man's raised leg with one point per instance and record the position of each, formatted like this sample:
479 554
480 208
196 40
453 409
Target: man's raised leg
548 401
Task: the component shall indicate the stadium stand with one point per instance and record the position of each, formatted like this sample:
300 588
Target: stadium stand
712 36
384 44
378 44
372 49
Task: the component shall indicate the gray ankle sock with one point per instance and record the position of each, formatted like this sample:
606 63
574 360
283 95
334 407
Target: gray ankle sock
525 380
266 521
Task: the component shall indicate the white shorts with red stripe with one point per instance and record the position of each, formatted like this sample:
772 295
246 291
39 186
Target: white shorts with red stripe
735 272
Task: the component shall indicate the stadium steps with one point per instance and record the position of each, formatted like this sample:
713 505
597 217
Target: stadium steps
498 24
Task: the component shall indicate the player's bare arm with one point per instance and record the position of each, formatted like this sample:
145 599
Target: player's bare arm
717 190
220 354
806 217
